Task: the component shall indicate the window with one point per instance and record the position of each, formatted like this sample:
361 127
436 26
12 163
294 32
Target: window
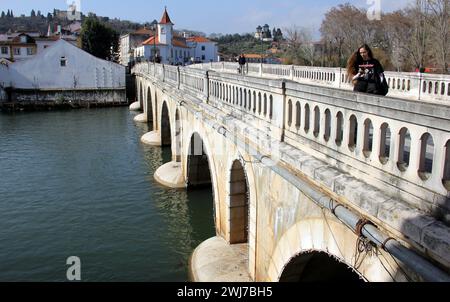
30 51
4 50
23 39
203 57
17 51
203 48
63 62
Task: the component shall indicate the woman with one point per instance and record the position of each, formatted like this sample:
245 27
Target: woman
366 72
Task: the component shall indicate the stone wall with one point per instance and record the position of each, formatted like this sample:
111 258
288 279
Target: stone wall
70 97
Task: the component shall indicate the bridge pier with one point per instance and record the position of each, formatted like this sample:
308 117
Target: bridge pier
136 106
217 261
171 175
141 118
152 138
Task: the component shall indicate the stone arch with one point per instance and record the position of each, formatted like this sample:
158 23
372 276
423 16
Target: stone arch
318 266
239 204
149 105
141 95
332 237
426 156
155 122
198 167
446 174
199 143
178 136
166 137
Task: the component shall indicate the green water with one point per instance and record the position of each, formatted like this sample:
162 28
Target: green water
80 183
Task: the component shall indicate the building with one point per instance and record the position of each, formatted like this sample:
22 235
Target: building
129 42
26 44
63 71
202 49
174 49
263 33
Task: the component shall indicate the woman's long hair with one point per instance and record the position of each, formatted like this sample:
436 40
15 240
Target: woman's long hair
356 59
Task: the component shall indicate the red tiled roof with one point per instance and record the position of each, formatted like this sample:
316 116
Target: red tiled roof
143 31
198 39
165 18
175 42
178 43
152 41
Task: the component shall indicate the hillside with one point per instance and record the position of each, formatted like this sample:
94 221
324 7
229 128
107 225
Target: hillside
40 22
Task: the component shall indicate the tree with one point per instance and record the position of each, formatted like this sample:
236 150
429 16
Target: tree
39 13
438 17
98 39
49 17
300 49
3 15
33 13
346 27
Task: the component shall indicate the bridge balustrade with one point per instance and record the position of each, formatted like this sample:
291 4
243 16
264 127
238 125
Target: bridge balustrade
416 86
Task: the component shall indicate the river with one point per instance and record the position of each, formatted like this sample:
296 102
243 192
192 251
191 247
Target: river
80 183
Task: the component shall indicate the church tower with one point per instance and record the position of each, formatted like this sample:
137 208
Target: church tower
165 29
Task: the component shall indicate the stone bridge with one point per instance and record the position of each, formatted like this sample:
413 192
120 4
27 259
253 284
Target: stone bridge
311 181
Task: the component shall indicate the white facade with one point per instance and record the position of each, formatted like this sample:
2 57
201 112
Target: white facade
203 50
64 66
129 43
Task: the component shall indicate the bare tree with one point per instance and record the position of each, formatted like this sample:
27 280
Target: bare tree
438 18
346 27
398 29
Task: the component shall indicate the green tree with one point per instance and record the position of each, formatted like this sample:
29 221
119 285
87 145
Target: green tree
49 17
33 13
99 39
3 14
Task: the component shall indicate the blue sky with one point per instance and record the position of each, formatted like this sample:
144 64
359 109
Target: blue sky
209 16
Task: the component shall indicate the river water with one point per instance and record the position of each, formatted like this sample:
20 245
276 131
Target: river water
80 183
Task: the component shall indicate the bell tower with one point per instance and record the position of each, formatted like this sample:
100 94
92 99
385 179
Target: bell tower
165 29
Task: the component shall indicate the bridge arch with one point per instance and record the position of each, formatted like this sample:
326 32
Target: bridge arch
178 135
149 105
141 96
318 266
239 204
198 160
325 235
166 136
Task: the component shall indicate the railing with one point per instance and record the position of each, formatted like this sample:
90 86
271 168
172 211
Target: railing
392 140
413 86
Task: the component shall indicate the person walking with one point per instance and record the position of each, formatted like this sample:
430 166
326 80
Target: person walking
366 72
242 62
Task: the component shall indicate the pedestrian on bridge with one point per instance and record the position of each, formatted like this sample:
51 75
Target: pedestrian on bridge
242 62
366 72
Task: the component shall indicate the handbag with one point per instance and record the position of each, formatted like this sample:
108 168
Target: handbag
382 85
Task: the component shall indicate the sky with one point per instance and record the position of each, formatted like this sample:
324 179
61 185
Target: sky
208 16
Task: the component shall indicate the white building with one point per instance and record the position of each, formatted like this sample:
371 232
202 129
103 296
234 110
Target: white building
173 49
129 42
202 49
64 66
